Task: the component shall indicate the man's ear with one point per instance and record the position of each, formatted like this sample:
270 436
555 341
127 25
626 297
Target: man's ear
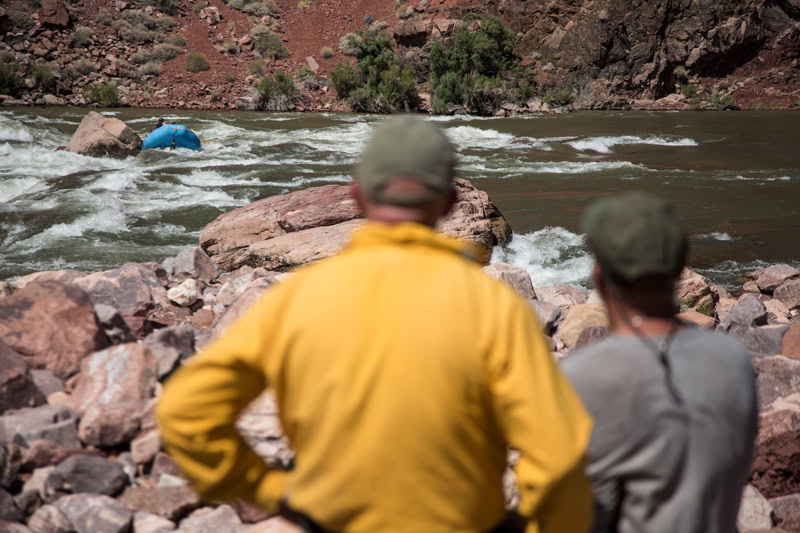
358 195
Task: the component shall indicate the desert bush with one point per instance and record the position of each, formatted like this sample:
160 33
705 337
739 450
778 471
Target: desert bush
84 66
105 17
10 82
164 23
270 45
259 30
153 68
326 52
305 72
303 4
377 84
44 76
69 74
127 70
140 57
350 44
170 7
137 34
558 96
689 92
199 6
103 93
177 39
526 91
138 18
467 71
165 52
81 37
275 94
229 47
256 68
236 4
257 9
197 62
230 78
21 20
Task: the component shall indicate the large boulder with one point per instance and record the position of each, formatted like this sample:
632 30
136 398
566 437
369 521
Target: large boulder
563 296
208 520
133 289
696 293
748 312
64 276
518 278
789 294
17 387
52 325
791 342
285 231
579 318
85 473
172 503
57 423
775 276
54 13
755 512
104 136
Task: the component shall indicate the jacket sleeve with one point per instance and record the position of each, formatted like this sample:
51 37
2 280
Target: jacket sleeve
542 417
198 411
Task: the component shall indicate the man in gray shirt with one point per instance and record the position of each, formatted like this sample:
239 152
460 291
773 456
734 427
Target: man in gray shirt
674 406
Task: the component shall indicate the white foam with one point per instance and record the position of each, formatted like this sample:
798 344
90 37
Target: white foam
470 137
604 145
570 167
781 178
11 188
211 178
301 181
42 162
11 130
552 255
716 235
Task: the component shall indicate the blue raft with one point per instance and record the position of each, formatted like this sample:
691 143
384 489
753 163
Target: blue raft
172 136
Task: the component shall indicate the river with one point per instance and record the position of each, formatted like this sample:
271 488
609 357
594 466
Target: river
735 178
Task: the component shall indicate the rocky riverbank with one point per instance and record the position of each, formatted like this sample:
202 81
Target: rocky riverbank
577 54
83 357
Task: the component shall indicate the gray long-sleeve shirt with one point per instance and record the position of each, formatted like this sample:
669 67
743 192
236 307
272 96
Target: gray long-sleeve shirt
658 464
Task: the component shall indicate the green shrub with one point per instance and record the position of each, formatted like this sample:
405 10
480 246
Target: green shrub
137 34
526 91
689 92
21 20
467 72
558 96
378 84
305 72
140 57
164 23
103 93
256 68
259 30
236 4
105 17
197 62
84 66
721 99
165 52
153 68
177 39
230 77
303 4
44 76
199 6
69 73
275 94
326 52
350 44
81 37
345 79
127 70
10 83
170 7
270 45
259 8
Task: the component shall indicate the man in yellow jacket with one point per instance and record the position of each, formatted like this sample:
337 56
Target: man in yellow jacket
401 371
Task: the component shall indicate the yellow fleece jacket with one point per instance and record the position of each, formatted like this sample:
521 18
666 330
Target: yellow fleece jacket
401 373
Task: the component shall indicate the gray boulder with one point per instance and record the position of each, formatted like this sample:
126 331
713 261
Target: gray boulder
789 294
748 312
57 423
8 508
113 324
775 276
94 513
104 136
17 387
762 340
85 473
194 263
171 345
130 289
49 519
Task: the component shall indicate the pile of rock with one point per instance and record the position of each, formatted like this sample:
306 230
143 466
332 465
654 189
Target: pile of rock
83 358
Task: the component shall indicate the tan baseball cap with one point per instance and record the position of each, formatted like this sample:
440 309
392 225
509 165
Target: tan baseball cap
406 147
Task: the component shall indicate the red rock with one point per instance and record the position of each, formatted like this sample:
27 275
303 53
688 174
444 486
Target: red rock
54 12
172 503
52 325
64 276
775 276
791 342
591 335
95 513
695 292
132 289
789 294
579 318
17 387
516 277
563 296
104 136
704 321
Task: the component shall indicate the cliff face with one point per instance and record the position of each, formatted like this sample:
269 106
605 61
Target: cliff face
643 48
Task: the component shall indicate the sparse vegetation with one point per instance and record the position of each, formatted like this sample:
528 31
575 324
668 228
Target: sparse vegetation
105 17
44 76
138 18
689 91
199 6
467 73
326 52
257 8
305 72
81 37
721 100
230 47
378 84
10 83
197 62
275 94
256 68
165 52
103 93
84 66
170 7
270 45
127 70
303 4
135 34
21 20
558 96
230 78
153 68
177 39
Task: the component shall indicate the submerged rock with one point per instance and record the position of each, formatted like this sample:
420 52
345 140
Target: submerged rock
104 136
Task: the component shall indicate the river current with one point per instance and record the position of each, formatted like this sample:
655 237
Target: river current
735 178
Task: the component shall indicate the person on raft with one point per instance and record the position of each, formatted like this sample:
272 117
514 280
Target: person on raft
159 124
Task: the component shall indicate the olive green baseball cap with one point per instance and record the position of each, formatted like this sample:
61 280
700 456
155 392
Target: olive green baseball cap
636 234
406 147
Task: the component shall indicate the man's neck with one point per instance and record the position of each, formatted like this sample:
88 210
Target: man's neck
627 320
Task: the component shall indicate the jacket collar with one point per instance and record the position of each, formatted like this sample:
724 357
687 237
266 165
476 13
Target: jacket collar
410 233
